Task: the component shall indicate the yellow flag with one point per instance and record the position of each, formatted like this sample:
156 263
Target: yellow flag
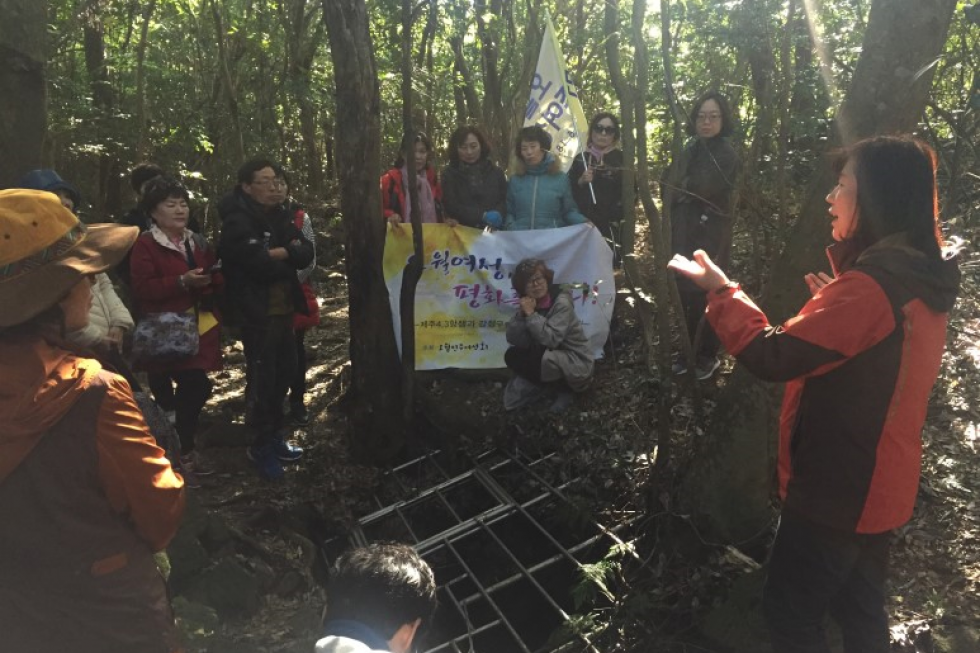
554 103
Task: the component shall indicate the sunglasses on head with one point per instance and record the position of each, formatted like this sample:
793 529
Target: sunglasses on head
604 129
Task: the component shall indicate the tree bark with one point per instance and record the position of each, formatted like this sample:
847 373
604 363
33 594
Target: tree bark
728 488
413 268
377 430
141 138
23 51
107 197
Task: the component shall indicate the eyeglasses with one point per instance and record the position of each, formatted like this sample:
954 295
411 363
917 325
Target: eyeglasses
536 279
267 183
708 117
604 129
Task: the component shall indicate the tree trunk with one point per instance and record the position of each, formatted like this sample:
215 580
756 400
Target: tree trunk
302 46
141 138
228 83
728 488
107 198
377 430
413 268
23 51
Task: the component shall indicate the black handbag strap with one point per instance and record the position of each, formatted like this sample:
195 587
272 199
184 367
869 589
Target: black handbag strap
189 252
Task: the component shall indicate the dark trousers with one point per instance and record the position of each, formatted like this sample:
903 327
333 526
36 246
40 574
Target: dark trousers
192 391
814 570
297 389
694 302
270 353
526 361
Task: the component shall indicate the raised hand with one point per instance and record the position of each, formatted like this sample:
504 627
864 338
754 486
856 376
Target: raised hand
701 270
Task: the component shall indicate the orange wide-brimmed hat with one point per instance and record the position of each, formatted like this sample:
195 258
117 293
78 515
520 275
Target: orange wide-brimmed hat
45 251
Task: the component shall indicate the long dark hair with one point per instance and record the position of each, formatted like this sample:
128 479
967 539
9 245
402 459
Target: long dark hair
460 135
896 191
417 137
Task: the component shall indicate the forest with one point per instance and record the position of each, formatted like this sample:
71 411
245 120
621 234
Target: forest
648 511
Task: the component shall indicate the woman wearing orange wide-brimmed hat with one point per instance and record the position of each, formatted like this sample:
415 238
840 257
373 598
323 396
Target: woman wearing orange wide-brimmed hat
86 496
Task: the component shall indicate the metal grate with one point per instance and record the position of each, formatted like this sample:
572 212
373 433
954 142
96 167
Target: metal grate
505 543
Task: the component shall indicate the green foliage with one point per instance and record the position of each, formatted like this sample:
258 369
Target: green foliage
192 116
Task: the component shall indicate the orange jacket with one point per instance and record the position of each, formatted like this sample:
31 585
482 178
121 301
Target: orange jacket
860 360
39 384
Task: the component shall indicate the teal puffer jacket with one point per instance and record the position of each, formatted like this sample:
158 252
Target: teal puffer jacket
541 198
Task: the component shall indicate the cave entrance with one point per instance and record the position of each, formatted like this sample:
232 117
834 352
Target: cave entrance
506 542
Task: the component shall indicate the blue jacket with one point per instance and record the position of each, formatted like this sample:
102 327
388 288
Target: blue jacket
541 198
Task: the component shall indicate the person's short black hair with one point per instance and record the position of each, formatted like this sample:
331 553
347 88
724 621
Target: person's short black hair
525 270
599 116
411 139
142 173
460 135
158 190
246 173
531 134
727 120
384 586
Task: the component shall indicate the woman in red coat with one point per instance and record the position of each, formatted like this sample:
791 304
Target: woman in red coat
172 270
396 201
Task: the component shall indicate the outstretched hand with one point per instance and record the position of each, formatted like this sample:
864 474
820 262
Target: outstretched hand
817 281
701 270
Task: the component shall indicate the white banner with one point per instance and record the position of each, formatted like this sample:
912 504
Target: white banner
554 102
464 299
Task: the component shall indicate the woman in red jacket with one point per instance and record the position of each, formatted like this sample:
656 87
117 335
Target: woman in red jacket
172 270
396 194
860 360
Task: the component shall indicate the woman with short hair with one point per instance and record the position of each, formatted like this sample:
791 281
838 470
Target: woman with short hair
172 271
548 344
699 187
538 194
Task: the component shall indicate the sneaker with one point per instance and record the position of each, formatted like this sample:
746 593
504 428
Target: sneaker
266 462
299 415
706 368
679 367
193 462
286 452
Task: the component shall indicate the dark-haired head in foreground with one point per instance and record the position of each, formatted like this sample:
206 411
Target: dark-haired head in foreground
378 595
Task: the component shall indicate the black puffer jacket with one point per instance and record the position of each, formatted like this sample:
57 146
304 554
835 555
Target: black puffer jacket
471 189
247 234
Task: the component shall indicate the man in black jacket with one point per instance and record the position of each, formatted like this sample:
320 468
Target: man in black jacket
261 250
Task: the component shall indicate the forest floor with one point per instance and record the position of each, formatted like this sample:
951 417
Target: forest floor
661 593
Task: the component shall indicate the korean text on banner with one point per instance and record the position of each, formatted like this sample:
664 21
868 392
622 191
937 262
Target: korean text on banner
464 299
554 102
